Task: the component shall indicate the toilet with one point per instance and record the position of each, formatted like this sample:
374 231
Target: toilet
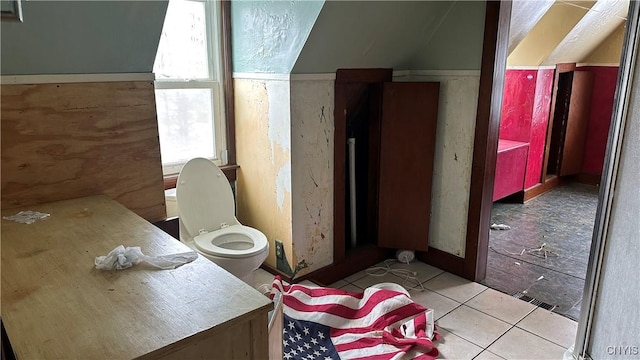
206 210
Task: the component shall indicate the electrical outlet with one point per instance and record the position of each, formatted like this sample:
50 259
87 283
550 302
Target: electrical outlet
279 250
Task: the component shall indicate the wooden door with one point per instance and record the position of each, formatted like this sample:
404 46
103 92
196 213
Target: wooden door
577 121
407 146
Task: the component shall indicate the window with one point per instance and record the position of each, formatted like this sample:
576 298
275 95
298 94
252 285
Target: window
189 91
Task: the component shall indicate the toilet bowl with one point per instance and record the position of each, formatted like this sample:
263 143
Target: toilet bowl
206 213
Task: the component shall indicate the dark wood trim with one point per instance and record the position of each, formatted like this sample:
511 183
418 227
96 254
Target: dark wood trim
560 68
541 188
358 259
442 260
492 71
364 75
230 171
227 80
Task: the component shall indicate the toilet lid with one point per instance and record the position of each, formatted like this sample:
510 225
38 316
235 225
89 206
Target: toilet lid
204 197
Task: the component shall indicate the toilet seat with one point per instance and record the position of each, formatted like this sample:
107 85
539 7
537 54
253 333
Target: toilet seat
213 243
205 200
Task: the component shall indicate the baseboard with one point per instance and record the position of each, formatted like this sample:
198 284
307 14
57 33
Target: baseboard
589 179
541 188
442 260
355 261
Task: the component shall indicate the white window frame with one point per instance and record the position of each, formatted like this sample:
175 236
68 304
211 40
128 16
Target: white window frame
214 82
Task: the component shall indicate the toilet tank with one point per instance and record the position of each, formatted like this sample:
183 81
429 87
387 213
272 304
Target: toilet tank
171 204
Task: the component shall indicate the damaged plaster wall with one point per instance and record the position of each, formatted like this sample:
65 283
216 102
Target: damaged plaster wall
263 150
457 110
272 33
312 136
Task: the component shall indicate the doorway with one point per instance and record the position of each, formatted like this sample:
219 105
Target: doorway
547 247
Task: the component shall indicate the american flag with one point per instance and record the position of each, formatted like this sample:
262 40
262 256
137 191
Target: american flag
325 324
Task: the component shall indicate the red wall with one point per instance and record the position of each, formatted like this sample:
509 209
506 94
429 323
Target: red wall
604 88
525 116
517 104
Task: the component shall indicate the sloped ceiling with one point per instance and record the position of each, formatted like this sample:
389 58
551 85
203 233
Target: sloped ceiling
82 37
403 35
565 31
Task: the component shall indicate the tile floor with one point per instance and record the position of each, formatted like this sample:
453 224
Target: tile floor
475 322
562 219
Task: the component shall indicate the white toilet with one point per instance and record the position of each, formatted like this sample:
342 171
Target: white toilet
208 224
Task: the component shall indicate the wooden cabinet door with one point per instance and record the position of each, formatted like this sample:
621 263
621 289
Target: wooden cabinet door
407 145
577 121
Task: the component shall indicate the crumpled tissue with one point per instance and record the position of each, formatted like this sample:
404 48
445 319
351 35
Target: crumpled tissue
123 258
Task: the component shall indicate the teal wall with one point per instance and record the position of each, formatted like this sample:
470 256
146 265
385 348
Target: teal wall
82 37
267 35
457 43
369 34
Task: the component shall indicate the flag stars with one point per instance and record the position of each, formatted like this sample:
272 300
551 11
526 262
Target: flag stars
323 349
314 341
287 356
298 336
317 353
306 331
291 325
320 335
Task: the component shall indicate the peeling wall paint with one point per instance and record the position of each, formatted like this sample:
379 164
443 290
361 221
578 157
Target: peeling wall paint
312 140
268 35
264 178
455 132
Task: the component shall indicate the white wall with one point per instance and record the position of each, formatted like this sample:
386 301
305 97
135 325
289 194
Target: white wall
455 132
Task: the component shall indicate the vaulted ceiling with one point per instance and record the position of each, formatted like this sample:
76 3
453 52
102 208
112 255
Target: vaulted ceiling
547 32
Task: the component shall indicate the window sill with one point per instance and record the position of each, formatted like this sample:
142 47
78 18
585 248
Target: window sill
228 170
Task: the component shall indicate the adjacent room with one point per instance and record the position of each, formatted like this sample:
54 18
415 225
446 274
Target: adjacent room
560 83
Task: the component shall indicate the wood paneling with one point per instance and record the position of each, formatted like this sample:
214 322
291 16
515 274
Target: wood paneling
407 146
64 141
577 123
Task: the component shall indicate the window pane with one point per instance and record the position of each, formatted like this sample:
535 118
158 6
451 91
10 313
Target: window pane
185 124
182 52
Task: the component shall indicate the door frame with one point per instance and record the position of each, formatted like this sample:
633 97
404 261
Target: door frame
484 159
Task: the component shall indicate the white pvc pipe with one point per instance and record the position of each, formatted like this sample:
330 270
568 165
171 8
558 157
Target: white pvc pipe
352 187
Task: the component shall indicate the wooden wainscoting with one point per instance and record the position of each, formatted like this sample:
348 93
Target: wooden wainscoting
69 140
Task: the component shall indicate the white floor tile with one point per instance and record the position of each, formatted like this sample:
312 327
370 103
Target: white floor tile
551 326
423 271
451 346
519 344
369 280
338 284
454 287
432 300
487 355
500 305
308 283
472 325
356 276
262 277
352 288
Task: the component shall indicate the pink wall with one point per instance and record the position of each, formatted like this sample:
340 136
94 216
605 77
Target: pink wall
604 88
517 105
539 122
